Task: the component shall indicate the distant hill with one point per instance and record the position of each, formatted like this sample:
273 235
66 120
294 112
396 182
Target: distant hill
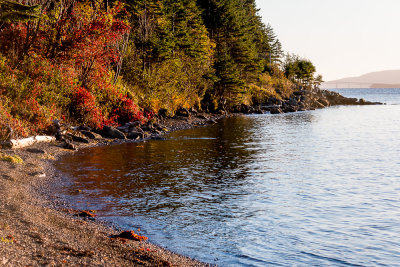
380 79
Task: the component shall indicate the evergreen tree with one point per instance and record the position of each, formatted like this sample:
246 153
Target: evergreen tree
171 45
232 26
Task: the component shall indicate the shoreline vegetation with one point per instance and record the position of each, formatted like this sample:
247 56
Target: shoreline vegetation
101 63
84 73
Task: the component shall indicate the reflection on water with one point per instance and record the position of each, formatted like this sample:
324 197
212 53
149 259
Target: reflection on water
311 188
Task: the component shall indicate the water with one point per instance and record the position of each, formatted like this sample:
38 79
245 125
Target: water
318 188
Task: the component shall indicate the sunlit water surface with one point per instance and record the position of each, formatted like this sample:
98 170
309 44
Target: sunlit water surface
308 188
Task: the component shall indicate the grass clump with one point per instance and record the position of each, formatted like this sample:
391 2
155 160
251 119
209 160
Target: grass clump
11 158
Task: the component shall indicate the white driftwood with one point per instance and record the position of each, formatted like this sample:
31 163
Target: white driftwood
20 143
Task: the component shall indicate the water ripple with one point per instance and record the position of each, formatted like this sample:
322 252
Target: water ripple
314 188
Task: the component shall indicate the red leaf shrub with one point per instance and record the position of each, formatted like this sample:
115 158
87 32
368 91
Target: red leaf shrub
126 111
84 108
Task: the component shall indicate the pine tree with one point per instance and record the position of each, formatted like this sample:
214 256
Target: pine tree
232 25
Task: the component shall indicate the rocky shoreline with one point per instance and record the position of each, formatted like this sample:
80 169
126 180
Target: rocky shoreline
301 100
304 100
37 230
34 231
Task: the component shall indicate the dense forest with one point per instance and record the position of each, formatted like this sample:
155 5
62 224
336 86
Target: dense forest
102 63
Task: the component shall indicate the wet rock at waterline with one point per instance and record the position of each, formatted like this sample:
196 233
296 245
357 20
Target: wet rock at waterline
90 135
111 132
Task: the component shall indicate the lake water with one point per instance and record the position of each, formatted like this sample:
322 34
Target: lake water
315 188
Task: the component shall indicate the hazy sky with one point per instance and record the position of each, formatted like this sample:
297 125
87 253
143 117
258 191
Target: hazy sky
341 37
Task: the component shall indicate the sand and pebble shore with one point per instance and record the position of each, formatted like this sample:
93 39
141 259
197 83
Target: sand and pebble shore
37 230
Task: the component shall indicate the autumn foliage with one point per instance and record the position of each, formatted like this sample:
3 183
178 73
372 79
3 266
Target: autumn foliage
103 63
61 66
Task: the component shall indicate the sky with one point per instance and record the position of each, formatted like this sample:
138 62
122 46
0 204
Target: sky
343 38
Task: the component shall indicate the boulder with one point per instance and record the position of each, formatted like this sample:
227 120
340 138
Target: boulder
292 102
162 112
77 138
202 116
300 92
130 235
290 109
86 214
182 112
318 104
246 109
135 135
148 127
67 145
111 132
36 151
324 102
90 135
258 110
276 110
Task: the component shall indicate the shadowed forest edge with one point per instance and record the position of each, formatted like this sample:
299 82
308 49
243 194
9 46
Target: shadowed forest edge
100 63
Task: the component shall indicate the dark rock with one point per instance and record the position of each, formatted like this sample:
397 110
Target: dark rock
111 132
183 112
318 104
246 109
292 102
162 112
290 109
324 102
77 138
67 145
148 127
258 110
39 174
36 151
84 128
181 118
134 124
269 107
90 135
8 177
135 135
202 116
130 235
272 101
57 129
300 92
276 110
86 214
350 101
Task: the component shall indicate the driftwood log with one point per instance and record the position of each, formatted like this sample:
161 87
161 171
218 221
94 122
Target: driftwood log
21 143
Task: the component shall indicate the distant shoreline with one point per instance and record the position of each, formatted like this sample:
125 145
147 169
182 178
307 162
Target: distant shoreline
377 87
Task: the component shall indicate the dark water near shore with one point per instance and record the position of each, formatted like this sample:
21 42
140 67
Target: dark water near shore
308 188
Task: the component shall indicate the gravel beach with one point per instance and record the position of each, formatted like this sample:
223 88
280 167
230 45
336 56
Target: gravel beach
35 230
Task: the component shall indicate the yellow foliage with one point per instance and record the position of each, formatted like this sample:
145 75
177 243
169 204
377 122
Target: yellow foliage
11 158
